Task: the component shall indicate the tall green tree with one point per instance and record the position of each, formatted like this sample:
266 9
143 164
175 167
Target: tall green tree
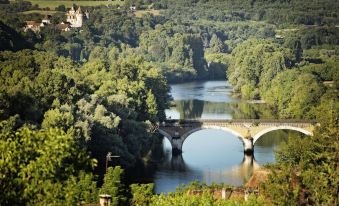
35 165
113 185
216 45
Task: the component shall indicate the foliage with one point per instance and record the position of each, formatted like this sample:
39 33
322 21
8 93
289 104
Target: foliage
113 186
306 170
254 64
69 4
36 164
103 106
142 194
263 69
81 189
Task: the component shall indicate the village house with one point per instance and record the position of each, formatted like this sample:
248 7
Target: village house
63 26
46 19
35 26
32 25
133 8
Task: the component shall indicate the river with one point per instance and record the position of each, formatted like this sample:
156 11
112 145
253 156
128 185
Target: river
213 155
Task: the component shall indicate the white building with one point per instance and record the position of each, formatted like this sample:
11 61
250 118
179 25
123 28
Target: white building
76 18
46 19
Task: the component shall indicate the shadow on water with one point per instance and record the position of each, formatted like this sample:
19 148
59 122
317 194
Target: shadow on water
190 109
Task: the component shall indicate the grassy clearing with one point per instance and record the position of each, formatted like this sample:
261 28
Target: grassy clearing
140 13
68 4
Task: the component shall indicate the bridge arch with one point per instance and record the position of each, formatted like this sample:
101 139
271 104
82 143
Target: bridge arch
185 136
238 135
177 143
168 136
274 128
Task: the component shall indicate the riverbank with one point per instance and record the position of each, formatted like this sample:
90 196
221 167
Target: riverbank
200 194
259 176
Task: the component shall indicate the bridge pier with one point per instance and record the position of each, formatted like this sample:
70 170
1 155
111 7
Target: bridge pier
176 151
248 160
178 163
248 146
176 146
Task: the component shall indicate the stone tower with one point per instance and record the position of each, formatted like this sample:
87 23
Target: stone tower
87 14
79 17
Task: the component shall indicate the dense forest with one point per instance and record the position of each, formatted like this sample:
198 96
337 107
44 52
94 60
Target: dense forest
68 98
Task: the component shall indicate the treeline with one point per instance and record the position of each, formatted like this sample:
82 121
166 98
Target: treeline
112 27
190 40
278 12
292 80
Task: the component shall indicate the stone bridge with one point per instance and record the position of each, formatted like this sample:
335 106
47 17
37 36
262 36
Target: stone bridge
247 130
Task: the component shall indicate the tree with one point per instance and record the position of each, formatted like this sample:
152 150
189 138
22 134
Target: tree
60 8
142 194
4 2
216 45
254 64
113 185
35 165
81 189
279 93
151 105
58 118
306 93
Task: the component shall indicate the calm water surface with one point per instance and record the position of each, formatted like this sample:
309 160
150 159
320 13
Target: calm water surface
213 155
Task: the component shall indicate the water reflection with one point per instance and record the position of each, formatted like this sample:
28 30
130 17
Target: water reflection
199 109
176 172
213 91
265 146
176 163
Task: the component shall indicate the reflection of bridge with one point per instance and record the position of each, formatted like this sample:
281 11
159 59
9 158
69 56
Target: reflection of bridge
242 170
248 131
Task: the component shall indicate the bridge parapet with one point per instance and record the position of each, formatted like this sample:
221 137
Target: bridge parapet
238 121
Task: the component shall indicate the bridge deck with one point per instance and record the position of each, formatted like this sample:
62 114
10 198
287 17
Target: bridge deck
183 121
